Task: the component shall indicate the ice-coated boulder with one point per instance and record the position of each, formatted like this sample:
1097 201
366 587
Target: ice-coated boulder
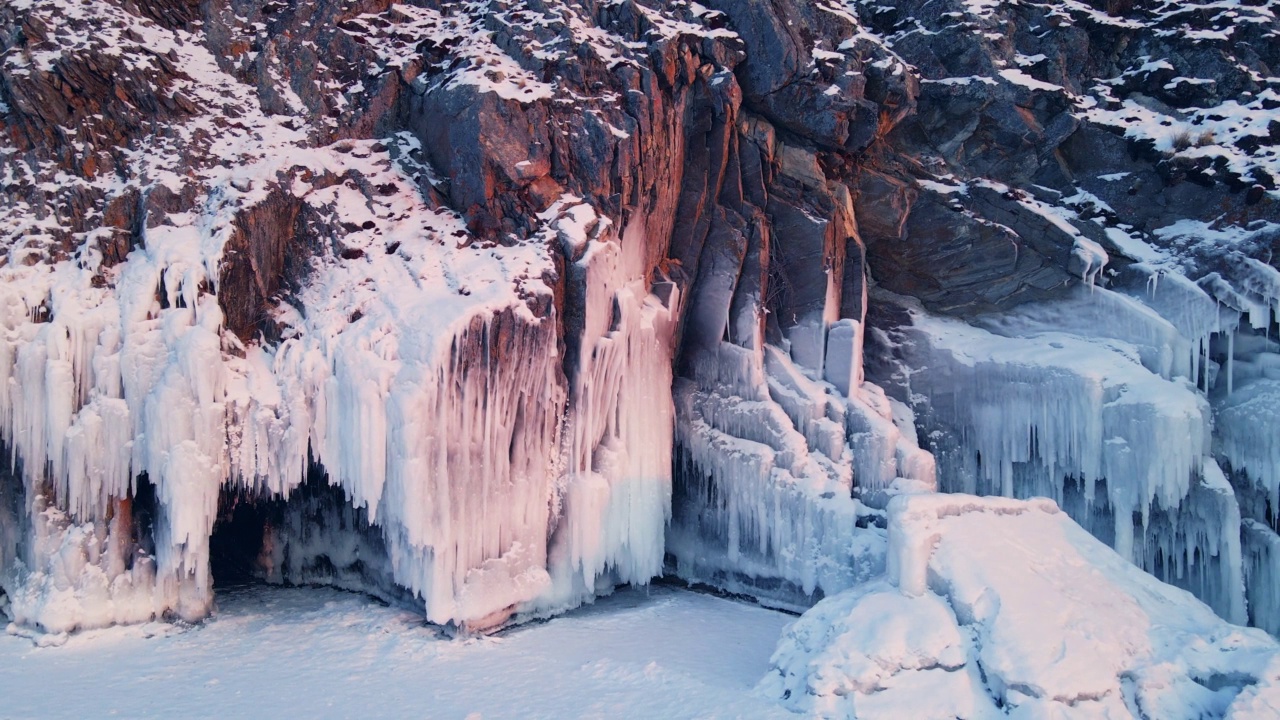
997 607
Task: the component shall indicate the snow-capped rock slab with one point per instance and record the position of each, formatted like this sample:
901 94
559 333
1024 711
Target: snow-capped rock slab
1008 607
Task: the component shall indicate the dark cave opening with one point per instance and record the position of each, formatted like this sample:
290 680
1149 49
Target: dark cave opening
13 518
240 534
313 537
142 503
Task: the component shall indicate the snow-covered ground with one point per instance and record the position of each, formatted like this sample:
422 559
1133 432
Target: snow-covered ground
308 652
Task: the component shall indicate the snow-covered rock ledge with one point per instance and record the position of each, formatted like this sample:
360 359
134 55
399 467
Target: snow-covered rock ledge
994 606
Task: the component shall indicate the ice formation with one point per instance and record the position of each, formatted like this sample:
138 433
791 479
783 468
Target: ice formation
784 455
411 409
421 370
635 344
405 397
996 607
617 477
1092 401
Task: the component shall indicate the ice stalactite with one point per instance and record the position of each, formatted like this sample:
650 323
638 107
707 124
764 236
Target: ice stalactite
1193 313
1197 546
468 447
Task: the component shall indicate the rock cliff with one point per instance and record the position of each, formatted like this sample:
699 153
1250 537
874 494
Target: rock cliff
497 305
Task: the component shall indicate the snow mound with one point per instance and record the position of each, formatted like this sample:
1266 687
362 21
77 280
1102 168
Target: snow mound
996 606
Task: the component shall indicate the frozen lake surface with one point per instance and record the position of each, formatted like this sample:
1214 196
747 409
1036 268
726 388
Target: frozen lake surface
315 652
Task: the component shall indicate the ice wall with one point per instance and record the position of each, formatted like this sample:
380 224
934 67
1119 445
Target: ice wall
1101 400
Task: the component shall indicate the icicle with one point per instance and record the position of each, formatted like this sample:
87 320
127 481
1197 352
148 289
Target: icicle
1231 361
1262 575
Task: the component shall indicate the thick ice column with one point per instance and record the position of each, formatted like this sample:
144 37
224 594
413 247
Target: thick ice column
1246 442
843 366
1262 575
615 491
470 457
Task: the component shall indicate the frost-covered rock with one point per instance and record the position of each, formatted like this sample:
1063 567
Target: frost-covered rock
999 607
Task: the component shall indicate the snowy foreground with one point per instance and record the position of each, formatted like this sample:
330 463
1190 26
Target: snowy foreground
271 652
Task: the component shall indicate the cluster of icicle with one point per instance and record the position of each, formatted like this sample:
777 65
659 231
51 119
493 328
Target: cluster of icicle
786 457
496 486
1106 402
